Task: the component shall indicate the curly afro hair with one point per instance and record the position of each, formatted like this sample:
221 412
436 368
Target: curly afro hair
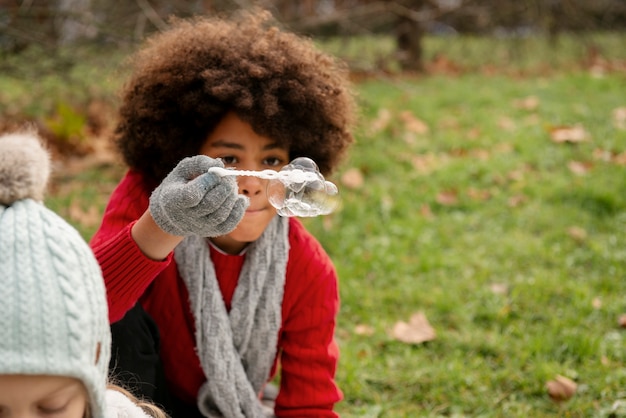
188 77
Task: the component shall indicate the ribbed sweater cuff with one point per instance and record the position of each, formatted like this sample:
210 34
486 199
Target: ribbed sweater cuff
127 271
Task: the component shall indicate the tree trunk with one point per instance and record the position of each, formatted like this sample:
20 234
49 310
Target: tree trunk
409 35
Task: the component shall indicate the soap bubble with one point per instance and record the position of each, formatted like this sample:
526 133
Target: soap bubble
298 189
303 191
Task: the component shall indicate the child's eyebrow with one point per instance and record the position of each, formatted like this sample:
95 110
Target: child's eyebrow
273 145
222 143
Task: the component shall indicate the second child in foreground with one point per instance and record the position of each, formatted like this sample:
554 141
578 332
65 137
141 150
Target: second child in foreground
210 292
54 331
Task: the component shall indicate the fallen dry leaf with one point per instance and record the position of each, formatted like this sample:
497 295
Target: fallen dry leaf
448 122
571 134
362 354
608 156
416 331
484 154
409 138
504 148
441 64
352 178
473 133
88 218
597 70
426 212
413 123
532 120
579 167
427 163
447 198
477 194
596 303
480 154
577 233
459 152
602 154
561 388
383 119
619 117
507 124
328 222
517 200
362 329
499 288
620 159
423 163
527 103
516 175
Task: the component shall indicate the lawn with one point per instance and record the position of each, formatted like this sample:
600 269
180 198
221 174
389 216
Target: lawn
489 198
497 207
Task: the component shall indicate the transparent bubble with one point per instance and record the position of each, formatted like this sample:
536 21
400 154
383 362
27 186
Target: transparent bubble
296 195
298 189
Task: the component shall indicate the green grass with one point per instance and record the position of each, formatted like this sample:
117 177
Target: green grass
483 53
552 240
494 352
34 83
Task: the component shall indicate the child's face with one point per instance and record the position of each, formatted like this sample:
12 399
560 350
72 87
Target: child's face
23 396
234 141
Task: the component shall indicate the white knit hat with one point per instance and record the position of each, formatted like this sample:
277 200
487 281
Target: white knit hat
53 309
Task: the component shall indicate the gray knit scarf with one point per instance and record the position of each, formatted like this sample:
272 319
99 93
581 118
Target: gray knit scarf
236 349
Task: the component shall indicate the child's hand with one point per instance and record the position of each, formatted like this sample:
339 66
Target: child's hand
192 201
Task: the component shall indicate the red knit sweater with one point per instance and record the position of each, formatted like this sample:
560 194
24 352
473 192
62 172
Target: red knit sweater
306 349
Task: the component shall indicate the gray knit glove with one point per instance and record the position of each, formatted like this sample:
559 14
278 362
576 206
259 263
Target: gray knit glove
191 201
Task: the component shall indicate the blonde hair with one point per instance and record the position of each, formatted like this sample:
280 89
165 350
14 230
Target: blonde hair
149 408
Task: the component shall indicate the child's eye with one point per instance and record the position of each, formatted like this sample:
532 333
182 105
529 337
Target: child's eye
51 409
229 160
273 161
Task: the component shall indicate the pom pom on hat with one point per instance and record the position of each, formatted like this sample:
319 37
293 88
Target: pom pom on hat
24 167
53 308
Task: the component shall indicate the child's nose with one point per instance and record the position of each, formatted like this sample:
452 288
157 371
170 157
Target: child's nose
250 185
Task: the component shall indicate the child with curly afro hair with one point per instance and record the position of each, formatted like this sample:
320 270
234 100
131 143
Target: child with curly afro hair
211 293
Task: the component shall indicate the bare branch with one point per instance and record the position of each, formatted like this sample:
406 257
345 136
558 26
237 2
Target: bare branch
151 14
388 10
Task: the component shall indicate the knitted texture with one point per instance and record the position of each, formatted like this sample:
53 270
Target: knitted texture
192 201
53 311
237 349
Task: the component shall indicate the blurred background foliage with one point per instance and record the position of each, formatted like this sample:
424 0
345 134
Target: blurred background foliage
60 60
53 23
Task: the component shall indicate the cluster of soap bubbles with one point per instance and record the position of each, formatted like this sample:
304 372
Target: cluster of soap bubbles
298 189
